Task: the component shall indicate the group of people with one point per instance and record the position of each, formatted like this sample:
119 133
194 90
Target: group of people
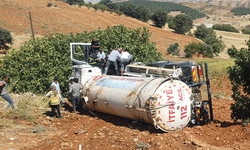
116 57
56 98
55 95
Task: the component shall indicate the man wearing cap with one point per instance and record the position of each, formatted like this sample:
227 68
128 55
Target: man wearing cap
126 58
113 57
95 45
56 83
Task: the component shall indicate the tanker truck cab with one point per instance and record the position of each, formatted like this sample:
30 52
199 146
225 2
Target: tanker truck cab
81 70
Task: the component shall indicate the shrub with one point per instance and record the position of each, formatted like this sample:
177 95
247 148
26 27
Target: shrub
118 12
191 49
225 27
50 4
55 5
112 6
142 13
173 49
232 51
244 31
182 23
6 38
159 17
128 9
35 65
239 77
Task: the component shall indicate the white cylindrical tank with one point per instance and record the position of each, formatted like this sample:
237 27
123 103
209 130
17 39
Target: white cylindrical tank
159 101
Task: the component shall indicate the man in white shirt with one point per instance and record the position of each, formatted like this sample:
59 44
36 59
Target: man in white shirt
101 55
113 57
56 83
126 58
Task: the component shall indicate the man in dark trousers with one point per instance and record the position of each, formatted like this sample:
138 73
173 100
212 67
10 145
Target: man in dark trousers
74 90
95 45
113 57
4 94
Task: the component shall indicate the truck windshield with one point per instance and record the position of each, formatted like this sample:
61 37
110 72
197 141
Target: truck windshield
80 52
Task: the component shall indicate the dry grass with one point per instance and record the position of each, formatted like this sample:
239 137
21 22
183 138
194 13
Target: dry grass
29 106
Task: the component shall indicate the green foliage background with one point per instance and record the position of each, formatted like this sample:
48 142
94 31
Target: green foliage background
239 11
34 66
5 38
225 27
239 77
168 6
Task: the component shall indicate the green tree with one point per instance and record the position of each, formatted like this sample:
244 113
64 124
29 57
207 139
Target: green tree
182 23
173 49
202 32
142 13
34 66
232 51
112 6
239 77
128 9
102 7
5 38
95 7
191 49
159 17
105 2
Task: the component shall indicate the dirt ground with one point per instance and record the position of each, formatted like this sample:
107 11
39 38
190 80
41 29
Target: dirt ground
102 131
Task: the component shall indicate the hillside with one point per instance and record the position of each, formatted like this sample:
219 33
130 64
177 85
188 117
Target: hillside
71 19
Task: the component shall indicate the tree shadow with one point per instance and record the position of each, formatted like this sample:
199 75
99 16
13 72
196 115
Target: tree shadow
120 121
225 124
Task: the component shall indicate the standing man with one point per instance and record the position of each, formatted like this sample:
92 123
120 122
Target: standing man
74 90
56 83
95 45
113 57
126 58
4 94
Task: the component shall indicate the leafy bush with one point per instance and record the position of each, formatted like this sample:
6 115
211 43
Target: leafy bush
232 51
244 31
182 23
75 2
239 77
239 11
202 32
55 5
105 2
102 7
225 27
191 49
112 6
118 12
50 4
6 38
209 37
159 17
128 9
173 49
35 65
142 13
168 7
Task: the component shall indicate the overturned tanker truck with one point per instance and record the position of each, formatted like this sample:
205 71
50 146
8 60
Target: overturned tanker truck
166 94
